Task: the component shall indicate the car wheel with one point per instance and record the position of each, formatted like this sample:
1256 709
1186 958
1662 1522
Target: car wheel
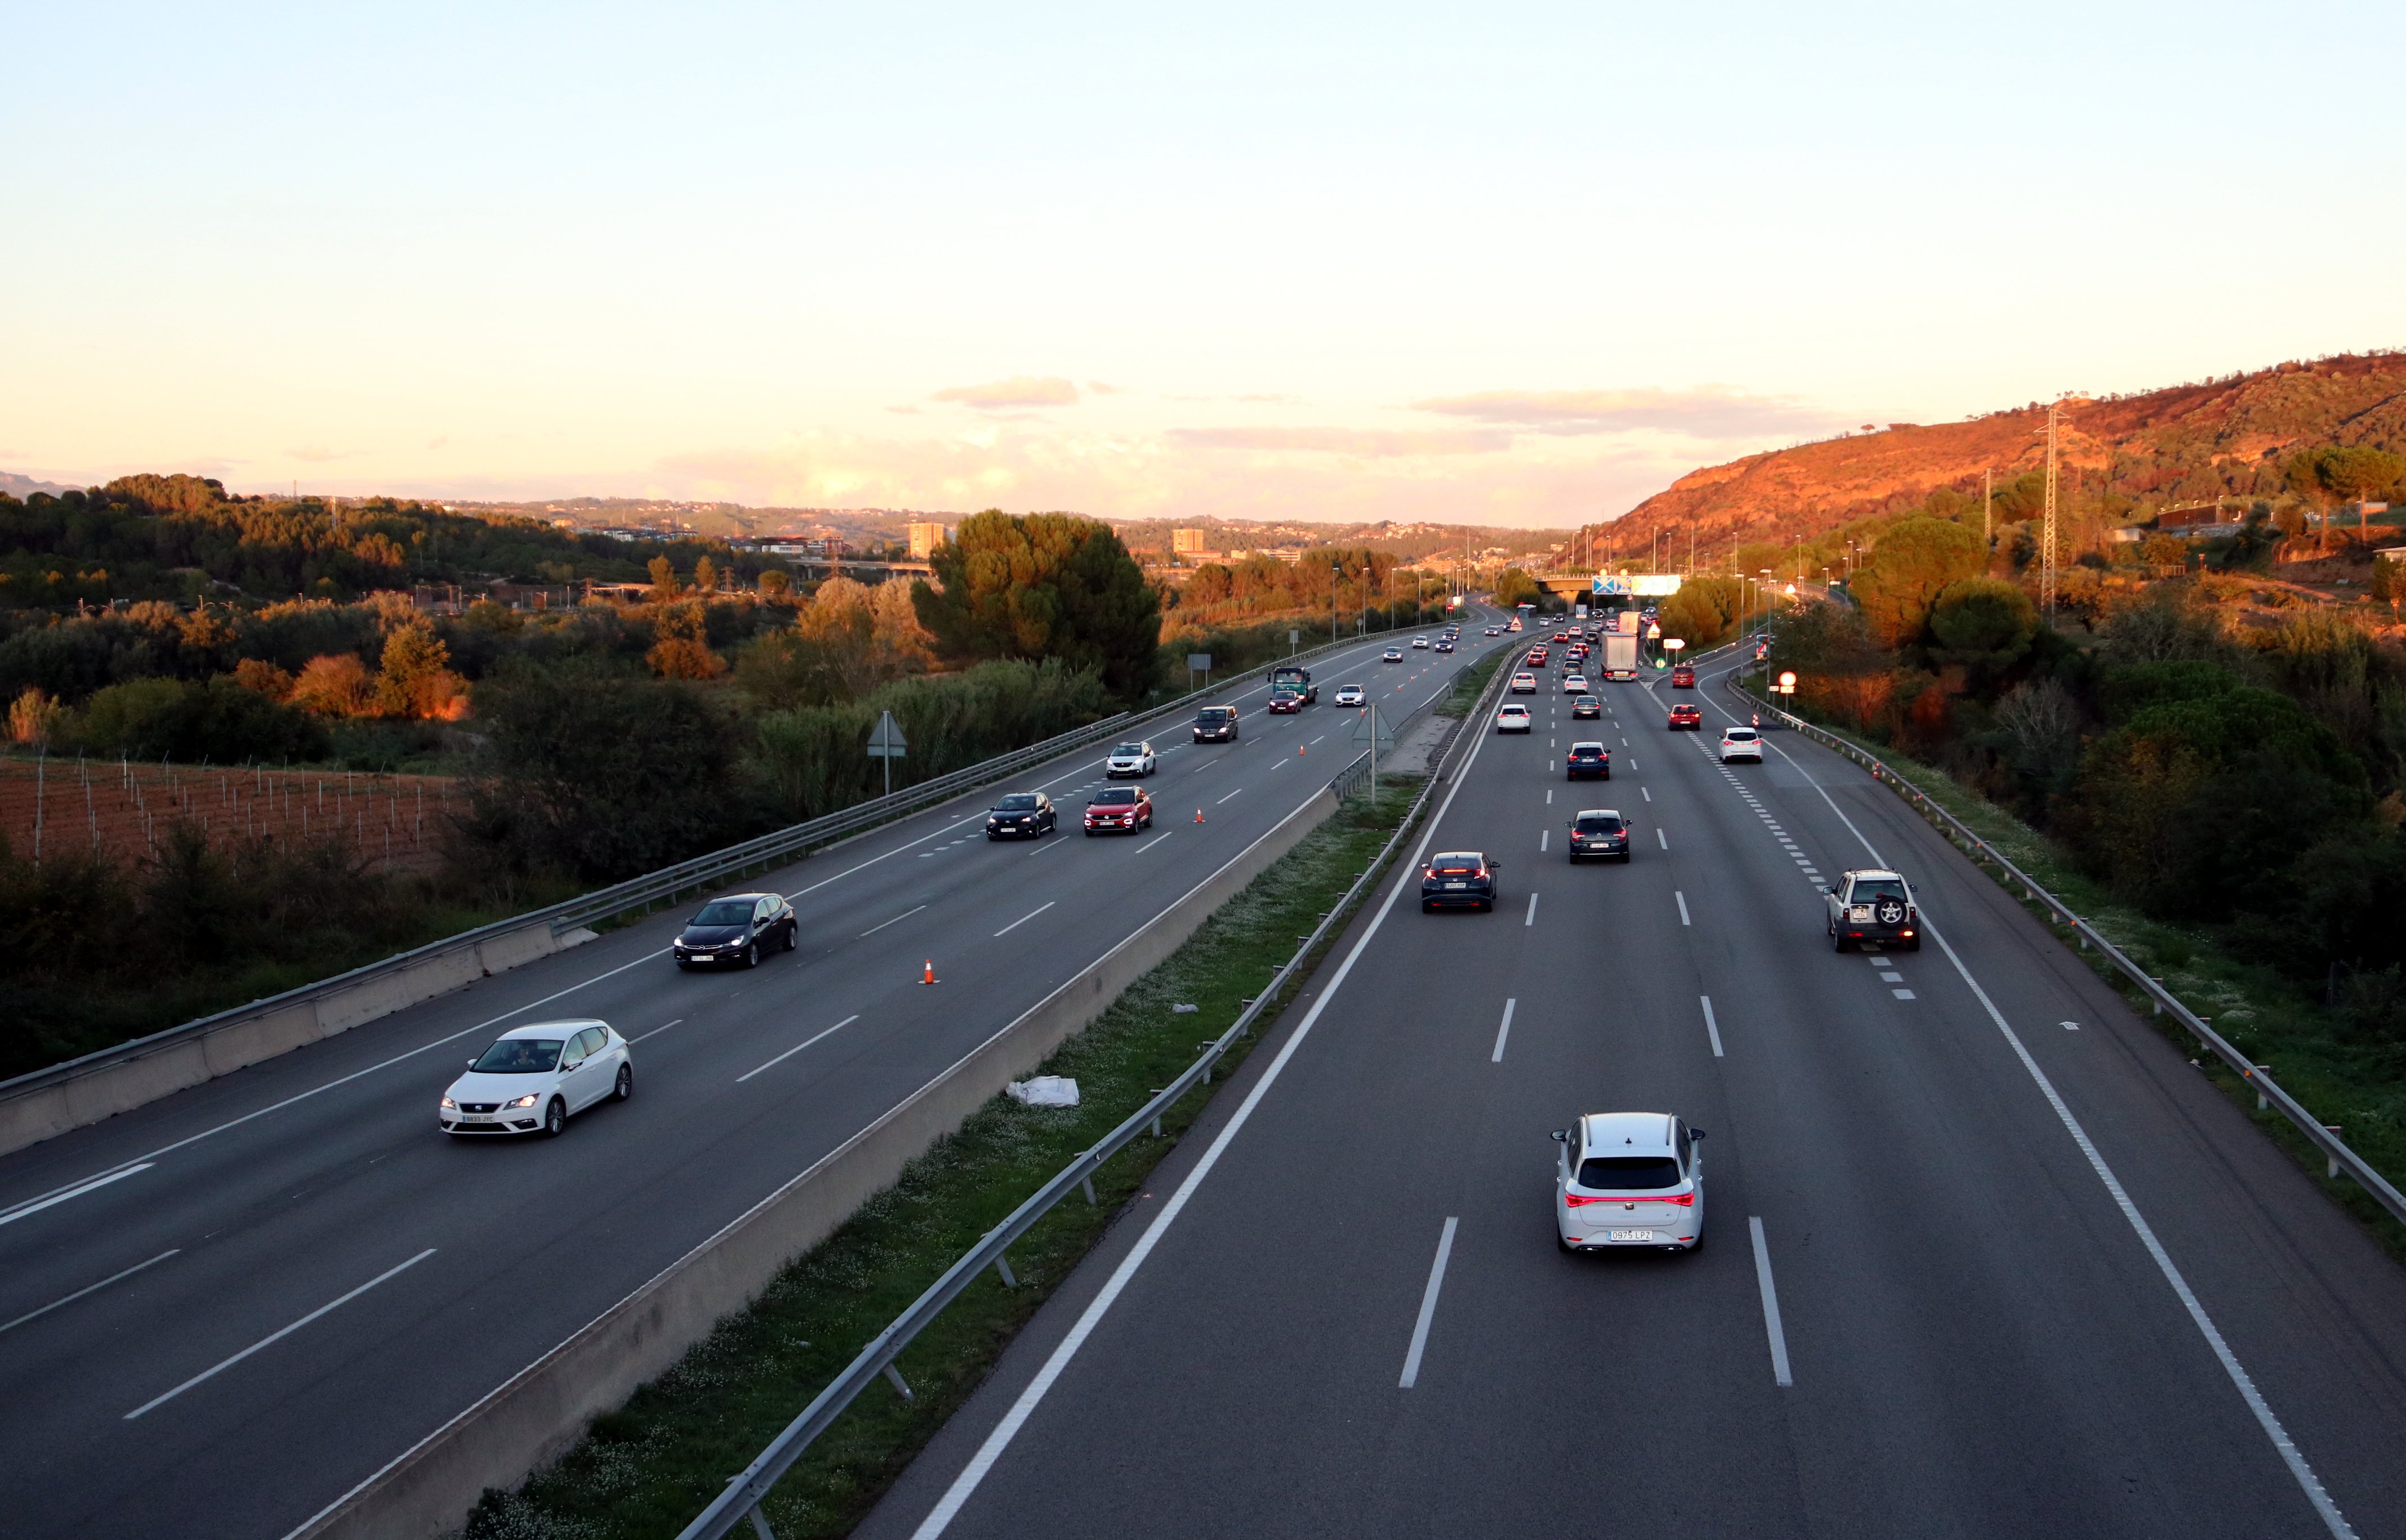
752 955
683 967
1426 906
555 1119
1090 834
1837 943
626 1086
793 936
1915 945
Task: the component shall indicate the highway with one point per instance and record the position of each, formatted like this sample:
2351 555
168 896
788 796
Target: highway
221 1312
1983 1254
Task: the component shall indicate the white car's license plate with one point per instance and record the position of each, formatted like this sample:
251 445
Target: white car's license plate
1629 1235
1457 885
472 1117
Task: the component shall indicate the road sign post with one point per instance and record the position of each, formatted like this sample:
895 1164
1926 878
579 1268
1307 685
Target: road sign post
1370 729
885 741
1199 663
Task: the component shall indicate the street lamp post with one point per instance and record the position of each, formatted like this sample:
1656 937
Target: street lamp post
1333 568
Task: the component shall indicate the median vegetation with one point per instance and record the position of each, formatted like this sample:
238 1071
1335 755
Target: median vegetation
643 1471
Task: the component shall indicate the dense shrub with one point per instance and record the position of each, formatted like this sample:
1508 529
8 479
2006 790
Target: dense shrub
217 721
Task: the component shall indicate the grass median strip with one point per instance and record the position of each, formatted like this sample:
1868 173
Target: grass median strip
645 1470
2357 1084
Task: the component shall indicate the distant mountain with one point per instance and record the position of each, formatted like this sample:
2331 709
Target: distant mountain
25 487
2121 460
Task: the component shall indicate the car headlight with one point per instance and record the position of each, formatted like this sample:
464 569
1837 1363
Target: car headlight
448 1105
527 1100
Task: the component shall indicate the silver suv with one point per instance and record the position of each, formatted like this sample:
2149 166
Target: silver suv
1874 905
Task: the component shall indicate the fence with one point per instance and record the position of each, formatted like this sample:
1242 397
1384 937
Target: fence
2324 1136
741 1502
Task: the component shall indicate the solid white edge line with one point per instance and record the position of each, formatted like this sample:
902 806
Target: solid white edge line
1428 1306
1712 1028
90 1289
797 1048
274 1337
1503 1032
1025 918
2303 1473
965 1484
1683 905
35 1205
1779 1372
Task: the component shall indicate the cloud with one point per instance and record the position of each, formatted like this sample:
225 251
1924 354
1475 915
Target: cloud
1018 391
315 454
904 411
1100 388
1364 442
1708 412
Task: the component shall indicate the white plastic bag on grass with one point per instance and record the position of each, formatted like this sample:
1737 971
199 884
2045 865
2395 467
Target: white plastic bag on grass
1046 1090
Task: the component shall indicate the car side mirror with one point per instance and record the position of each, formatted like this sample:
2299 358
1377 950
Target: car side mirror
1561 1135
472 1064
1696 1133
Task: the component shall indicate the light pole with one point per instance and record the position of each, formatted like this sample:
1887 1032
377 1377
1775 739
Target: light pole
1333 568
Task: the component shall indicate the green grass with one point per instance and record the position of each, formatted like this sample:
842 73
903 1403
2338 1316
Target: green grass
2266 1016
648 1468
1474 680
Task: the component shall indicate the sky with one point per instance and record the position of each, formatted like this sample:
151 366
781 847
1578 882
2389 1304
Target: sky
1516 265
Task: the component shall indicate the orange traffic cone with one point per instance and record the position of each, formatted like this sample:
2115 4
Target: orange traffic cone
1198 815
929 976
1298 748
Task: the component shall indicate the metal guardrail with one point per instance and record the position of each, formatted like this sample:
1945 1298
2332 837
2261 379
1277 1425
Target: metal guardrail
2324 1136
747 1490
642 891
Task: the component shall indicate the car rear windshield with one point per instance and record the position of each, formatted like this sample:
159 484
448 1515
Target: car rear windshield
1629 1173
725 912
1018 801
1599 824
1869 888
519 1057
1125 796
1214 715
1587 751
1740 734
1459 861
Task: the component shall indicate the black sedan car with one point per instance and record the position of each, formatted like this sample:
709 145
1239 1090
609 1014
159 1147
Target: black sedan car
1586 706
1458 879
1216 725
1587 761
1022 815
737 929
1598 831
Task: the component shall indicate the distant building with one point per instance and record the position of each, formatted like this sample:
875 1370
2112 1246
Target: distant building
926 537
1190 542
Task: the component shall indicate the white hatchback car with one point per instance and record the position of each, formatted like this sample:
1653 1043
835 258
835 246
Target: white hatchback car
1512 718
1420 641
1349 695
1629 1180
1129 759
1574 684
1741 743
533 1078
1392 654
1524 682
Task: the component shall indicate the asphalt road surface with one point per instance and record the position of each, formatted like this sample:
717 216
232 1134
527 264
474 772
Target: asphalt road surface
289 1277
1984 1255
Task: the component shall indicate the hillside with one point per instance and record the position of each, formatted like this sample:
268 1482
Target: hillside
2123 459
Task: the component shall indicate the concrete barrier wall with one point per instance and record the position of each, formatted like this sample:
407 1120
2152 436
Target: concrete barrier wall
544 1408
50 1103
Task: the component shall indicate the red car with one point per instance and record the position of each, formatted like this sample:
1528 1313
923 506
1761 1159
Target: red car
1536 657
1683 678
1125 807
1690 717
1285 703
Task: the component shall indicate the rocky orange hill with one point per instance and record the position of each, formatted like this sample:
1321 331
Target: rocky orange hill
2123 459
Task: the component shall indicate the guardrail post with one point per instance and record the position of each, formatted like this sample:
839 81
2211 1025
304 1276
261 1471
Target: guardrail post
895 1376
2330 1163
2155 1000
760 1524
2263 1102
1088 1183
1002 1265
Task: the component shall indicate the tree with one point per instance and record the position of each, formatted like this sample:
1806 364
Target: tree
705 576
1044 585
1515 587
2354 473
1983 621
682 650
600 776
334 684
416 679
775 584
34 717
664 583
1703 613
1911 566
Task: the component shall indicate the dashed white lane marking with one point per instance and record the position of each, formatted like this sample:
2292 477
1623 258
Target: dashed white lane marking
1902 994
1543 835
1231 794
95 1288
797 1048
1533 910
1025 918
1502 1032
1660 837
1683 906
1712 1028
1648 795
896 921
1893 978
1779 1375
275 1337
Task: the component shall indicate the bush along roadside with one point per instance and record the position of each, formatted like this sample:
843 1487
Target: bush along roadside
2356 1085
1474 680
645 1470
